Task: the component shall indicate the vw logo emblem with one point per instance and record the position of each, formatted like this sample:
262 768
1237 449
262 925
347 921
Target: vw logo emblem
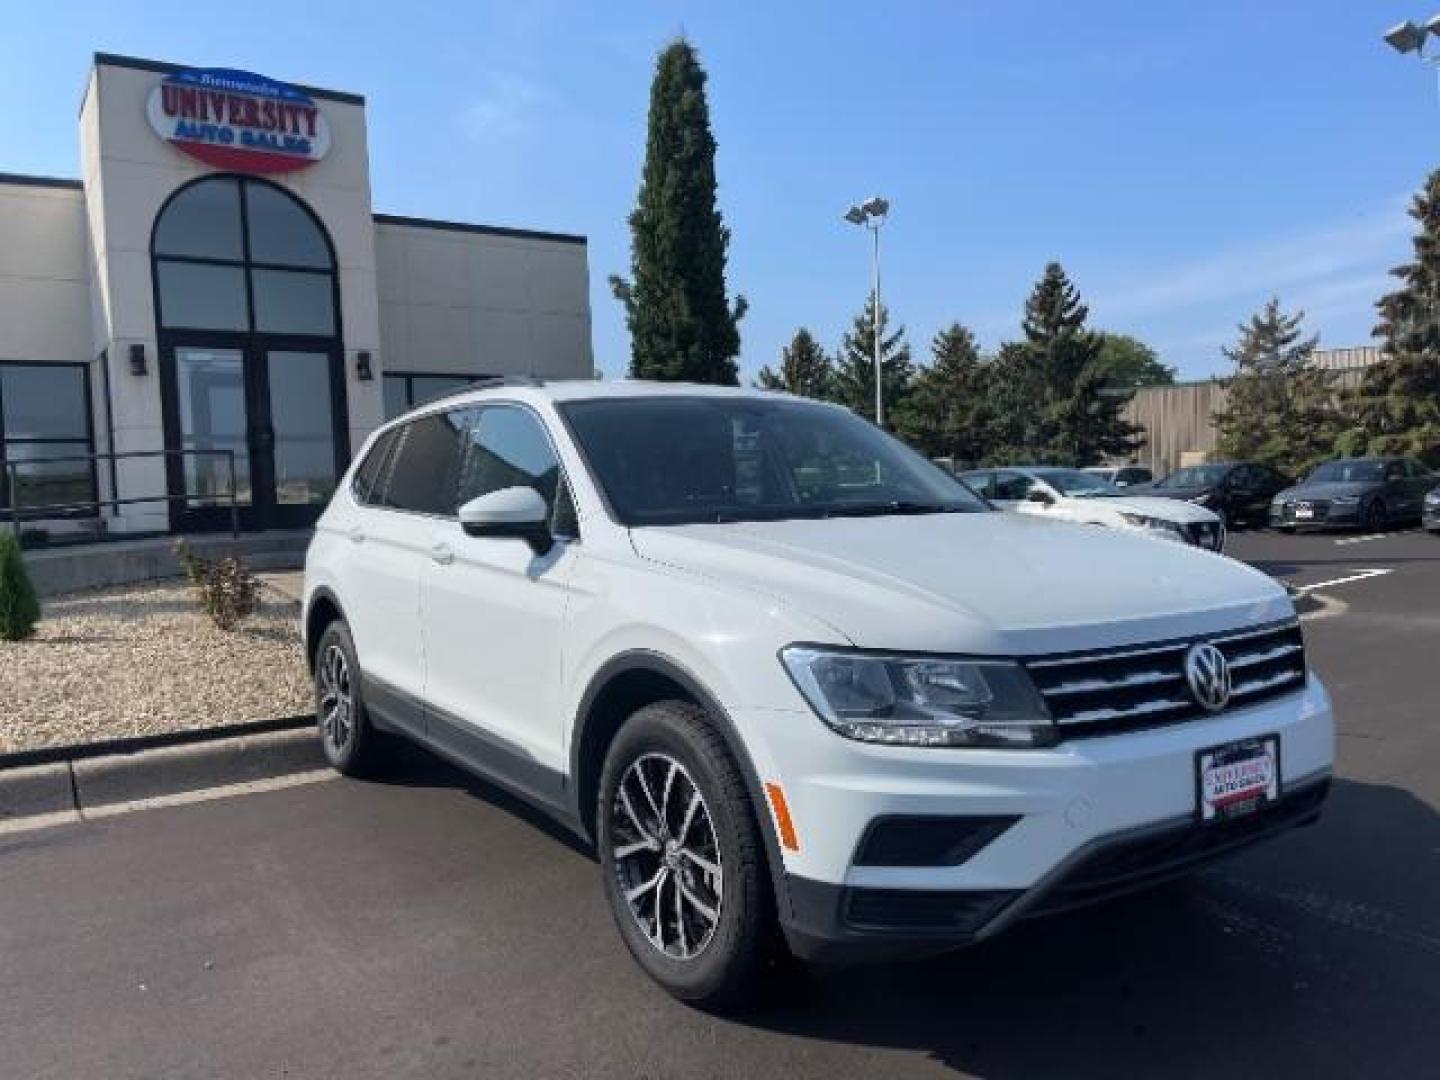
1208 673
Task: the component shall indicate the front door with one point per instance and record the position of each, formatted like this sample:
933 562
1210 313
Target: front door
261 416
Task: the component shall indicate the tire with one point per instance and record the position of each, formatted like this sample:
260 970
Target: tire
347 738
1376 517
710 953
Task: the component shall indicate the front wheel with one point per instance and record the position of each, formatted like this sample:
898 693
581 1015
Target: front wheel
682 857
1376 517
346 736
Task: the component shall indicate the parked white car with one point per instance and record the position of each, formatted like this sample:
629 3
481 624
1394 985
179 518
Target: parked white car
786 675
1080 495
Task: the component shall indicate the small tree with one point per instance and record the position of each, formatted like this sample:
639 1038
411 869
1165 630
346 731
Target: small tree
225 587
804 368
682 327
1279 409
854 381
949 413
1397 406
19 610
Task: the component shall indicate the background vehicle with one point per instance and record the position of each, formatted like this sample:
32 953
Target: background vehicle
790 678
1077 495
1431 519
1371 492
1239 491
1122 475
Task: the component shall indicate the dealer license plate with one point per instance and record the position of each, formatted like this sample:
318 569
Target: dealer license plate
1304 510
1238 778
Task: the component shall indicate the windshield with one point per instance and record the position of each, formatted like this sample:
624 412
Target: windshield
1075 483
1195 476
1348 472
683 460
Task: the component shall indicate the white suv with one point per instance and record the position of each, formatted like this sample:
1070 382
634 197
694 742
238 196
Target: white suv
786 674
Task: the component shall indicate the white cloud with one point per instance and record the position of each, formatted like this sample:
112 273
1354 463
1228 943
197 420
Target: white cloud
509 106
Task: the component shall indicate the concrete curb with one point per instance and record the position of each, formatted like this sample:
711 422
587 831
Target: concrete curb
56 792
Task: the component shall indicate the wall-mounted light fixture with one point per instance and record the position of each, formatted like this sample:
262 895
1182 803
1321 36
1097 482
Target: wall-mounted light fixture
137 359
363 371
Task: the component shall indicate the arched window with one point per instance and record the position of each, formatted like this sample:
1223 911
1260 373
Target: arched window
233 253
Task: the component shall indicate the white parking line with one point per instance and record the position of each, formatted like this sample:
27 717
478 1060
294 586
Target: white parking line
1358 575
1342 541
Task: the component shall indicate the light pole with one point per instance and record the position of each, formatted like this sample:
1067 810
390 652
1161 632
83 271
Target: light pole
1407 37
871 214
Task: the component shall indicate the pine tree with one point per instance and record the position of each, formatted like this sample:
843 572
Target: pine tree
19 610
1279 409
682 327
949 412
1079 416
1397 406
854 379
804 368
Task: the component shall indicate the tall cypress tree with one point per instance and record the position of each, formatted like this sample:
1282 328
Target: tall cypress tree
949 413
1397 407
682 326
854 380
1079 415
804 368
1278 409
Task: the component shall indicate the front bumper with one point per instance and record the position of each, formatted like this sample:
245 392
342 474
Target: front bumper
1431 520
1323 515
1086 798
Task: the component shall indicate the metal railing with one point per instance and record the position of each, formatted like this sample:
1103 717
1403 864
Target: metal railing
38 512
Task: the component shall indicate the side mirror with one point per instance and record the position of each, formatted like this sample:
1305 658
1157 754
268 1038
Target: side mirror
1038 496
518 512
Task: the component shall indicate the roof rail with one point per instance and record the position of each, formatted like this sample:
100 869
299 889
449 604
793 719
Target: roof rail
483 383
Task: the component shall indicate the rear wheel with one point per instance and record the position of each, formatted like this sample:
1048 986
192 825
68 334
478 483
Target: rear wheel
681 856
346 736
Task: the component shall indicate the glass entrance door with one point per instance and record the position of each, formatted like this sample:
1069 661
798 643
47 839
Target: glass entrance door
277 406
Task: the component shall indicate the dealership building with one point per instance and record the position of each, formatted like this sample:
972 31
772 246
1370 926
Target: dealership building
216 297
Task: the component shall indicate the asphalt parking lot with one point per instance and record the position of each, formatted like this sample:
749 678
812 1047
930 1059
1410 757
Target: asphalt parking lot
427 926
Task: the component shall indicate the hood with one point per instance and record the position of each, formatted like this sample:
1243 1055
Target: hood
1156 507
986 583
1329 489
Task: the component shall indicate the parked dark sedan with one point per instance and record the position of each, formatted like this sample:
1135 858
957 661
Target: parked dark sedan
1431 520
1372 492
1239 491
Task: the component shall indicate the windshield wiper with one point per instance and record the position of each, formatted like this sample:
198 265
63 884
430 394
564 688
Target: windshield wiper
899 506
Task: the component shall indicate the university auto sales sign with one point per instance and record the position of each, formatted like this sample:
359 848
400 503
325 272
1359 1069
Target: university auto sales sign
239 121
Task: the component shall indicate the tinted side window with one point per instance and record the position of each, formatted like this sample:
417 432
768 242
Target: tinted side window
1012 486
370 470
426 465
508 447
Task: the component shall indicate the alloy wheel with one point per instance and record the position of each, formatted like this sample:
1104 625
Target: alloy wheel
337 702
666 856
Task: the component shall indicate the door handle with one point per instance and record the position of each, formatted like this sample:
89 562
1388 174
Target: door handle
442 553
356 534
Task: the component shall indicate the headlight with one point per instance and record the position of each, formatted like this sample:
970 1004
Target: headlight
1201 500
1433 499
921 701
1155 525
1345 500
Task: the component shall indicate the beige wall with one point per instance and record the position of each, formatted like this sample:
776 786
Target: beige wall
475 302
44 274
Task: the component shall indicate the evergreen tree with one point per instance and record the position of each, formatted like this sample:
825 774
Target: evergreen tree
19 610
853 384
949 412
1128 361
1079 416
1279 409
804 368
1397 406
682 327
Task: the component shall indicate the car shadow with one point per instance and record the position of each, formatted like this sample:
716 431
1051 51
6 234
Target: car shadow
1250 968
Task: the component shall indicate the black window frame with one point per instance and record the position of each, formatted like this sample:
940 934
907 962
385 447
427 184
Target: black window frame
88 444
409 377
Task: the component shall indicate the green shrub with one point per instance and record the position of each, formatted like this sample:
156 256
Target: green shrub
19 610
227 590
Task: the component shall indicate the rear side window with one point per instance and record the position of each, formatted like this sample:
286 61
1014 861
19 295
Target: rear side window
426 468
364 486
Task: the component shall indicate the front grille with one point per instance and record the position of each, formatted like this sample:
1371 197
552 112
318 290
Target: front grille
1206 534
1099 693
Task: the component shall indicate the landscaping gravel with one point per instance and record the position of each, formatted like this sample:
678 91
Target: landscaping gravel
142 660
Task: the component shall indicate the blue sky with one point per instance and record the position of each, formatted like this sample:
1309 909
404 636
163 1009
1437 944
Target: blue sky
1183 161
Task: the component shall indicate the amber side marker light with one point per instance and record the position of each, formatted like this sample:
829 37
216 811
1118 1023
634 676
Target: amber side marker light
782 817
